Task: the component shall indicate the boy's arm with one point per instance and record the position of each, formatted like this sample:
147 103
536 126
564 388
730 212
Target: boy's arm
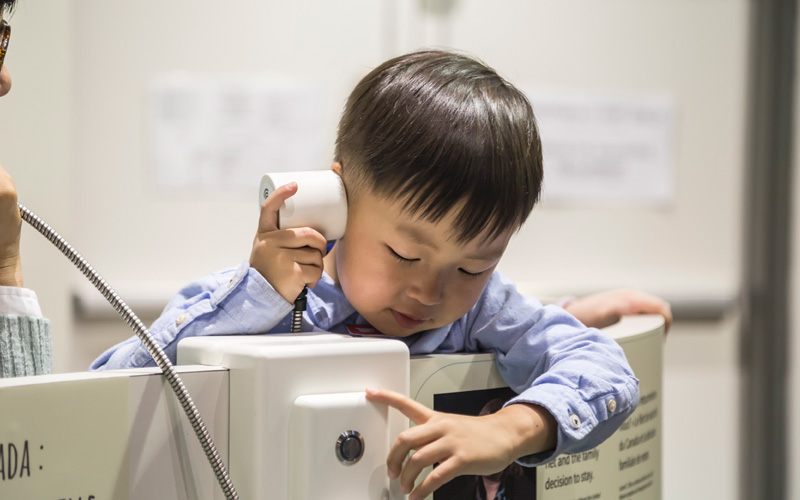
233 301
574 385
250 299
461 444
579 374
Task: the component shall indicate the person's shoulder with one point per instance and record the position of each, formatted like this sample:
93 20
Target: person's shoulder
501 294
500 287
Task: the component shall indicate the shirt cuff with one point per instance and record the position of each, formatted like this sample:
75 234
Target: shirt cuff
19 301
578 419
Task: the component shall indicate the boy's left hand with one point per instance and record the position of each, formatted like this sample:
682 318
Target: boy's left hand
459 444
604 309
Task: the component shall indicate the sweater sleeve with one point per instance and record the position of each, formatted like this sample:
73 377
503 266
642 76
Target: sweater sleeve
26 346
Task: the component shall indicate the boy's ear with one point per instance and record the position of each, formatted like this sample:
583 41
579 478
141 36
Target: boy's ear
337 168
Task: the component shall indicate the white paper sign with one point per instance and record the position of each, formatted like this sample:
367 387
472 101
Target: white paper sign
59 440
607 150
226 132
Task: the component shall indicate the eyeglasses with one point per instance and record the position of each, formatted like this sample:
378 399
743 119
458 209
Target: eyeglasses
5 36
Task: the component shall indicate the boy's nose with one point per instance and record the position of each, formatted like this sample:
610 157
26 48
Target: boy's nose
427 288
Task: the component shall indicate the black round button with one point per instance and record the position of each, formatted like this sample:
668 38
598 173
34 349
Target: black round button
349 447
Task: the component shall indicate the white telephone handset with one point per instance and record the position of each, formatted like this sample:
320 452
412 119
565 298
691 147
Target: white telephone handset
320 202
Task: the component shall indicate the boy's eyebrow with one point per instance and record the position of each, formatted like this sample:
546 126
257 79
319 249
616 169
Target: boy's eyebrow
488 256
418 237
415 235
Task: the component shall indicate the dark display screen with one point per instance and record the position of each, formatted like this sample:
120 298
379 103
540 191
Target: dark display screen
514 483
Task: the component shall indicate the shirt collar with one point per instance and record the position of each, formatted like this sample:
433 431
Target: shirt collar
328 303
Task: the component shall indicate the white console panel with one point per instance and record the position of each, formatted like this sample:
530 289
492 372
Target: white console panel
290 419
118 435
270 459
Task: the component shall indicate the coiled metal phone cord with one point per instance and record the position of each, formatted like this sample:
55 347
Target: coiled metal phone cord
297 313
149 342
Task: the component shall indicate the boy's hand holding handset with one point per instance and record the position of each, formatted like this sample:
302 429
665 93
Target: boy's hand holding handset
289 259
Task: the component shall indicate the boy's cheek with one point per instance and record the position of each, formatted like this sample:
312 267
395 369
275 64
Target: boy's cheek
372 286
366 283
467 297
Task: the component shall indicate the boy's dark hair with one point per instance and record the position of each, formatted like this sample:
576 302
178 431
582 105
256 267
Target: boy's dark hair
437 130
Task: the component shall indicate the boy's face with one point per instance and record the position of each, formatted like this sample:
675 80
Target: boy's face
405 275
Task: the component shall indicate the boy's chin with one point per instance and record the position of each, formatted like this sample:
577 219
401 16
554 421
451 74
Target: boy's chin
389 328
392 329
399 332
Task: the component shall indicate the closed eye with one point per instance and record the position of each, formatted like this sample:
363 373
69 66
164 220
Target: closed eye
400 257
469 274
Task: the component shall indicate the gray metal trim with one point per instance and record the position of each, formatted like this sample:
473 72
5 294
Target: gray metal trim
768 185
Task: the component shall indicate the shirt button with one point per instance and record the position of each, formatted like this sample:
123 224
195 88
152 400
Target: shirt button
232 281
612 405
576 421
180 319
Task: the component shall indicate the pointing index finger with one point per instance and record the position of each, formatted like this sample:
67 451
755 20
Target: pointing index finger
415 411
268 220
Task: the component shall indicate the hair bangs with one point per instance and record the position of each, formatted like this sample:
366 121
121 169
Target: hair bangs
475 166
442 132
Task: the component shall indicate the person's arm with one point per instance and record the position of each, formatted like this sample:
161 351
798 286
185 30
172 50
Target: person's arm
233 301
606 308
550 359
574 384
10 225
26 346
25 337
251 299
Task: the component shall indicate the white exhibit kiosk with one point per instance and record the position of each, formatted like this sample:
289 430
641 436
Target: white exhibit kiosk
290 420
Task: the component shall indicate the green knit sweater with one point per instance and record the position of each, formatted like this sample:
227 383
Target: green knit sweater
26 346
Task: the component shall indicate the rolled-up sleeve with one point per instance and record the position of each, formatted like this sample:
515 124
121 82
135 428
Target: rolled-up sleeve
233 301
580 375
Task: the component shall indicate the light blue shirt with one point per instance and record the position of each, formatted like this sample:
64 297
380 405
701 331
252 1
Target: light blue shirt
544 354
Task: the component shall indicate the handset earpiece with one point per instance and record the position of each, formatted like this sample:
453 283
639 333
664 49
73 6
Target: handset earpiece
320 202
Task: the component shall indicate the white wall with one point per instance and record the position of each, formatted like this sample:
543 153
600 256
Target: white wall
137 232
139 236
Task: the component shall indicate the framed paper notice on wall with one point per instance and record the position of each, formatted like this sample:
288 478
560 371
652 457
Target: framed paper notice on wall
602 150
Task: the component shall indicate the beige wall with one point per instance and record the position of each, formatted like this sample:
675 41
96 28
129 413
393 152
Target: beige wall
83 68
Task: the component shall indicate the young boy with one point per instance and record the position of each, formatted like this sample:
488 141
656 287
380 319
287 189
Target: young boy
442 163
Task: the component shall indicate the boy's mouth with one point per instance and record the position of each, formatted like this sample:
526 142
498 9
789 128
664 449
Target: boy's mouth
407 321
